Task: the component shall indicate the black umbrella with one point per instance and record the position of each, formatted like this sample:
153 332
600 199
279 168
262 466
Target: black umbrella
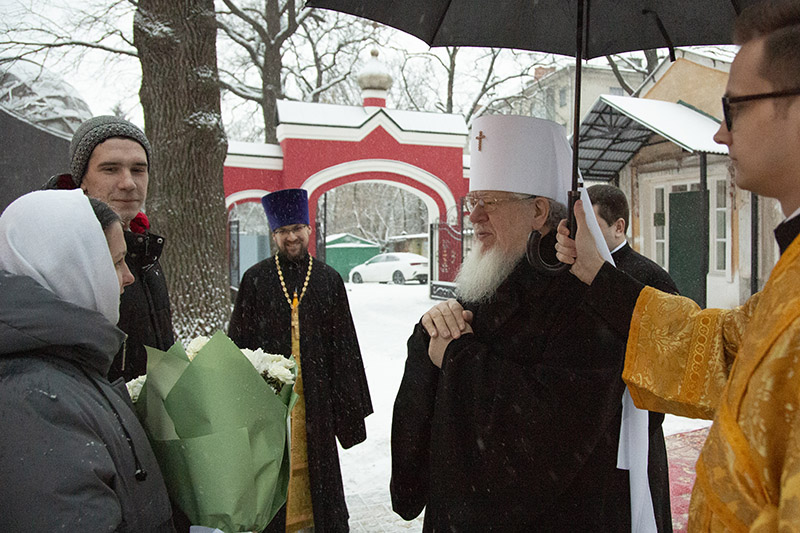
583 28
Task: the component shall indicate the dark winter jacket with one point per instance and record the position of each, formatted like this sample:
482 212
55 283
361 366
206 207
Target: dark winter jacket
518 431
144 309
335 385
73 456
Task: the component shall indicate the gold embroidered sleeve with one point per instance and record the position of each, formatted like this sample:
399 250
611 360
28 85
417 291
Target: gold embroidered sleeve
678 356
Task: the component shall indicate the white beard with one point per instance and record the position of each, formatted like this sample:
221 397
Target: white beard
482 272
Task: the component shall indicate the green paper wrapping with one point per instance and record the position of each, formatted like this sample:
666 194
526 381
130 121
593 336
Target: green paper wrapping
219 433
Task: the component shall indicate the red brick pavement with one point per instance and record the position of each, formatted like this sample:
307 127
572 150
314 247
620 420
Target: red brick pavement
682 452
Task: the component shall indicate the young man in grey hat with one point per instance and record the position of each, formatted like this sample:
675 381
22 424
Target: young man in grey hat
110 159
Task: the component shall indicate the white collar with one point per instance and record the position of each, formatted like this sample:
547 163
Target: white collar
793 215
615 250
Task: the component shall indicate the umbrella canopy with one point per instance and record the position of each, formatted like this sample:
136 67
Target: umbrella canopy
613 26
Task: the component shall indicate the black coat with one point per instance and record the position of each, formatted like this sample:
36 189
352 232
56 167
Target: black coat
336 393
70 444
650 273
519 429
144 309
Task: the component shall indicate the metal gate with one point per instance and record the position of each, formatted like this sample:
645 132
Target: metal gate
446 253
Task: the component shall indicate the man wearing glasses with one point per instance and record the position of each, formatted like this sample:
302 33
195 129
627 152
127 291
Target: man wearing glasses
293 304
508 413
740 367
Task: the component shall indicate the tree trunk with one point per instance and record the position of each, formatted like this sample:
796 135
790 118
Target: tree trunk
176 41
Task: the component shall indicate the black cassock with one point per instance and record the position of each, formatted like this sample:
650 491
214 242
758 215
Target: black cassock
334 382
519 429
650 273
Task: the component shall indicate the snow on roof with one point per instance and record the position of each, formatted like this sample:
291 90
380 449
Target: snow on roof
357 239
42 98
686 127
317 114
717 53
255 149
409 236
352 245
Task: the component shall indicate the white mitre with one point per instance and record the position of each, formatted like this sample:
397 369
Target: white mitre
520 154
530 156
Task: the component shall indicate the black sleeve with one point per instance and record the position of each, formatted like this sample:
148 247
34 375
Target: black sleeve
349 386
411 429
613 296
241 330
663 282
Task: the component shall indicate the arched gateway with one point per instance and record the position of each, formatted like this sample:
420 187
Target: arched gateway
323 146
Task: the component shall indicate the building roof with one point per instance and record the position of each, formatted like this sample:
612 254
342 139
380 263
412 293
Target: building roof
318 114
41 98
408 236
617 127
348 240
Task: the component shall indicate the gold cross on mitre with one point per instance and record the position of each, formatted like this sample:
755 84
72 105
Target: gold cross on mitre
480 138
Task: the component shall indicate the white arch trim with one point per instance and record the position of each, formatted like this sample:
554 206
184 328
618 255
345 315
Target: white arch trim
394 167
249 194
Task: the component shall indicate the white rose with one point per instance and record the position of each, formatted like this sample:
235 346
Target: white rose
281 373
195 346
135 387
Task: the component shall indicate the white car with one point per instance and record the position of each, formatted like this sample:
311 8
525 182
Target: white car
397 267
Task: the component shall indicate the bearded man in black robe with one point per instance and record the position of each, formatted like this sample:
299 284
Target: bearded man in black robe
332 379
508 414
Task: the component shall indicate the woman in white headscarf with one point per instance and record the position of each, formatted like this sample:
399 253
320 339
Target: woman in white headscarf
73 456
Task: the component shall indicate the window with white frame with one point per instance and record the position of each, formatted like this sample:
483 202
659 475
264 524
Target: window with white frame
719 231
660 227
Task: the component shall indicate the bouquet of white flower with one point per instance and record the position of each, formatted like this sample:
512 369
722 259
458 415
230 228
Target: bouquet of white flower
217 420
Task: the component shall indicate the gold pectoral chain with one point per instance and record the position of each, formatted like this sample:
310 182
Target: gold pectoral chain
283 283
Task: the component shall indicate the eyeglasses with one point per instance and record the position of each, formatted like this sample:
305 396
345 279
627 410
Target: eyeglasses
728 100
286 230
490 203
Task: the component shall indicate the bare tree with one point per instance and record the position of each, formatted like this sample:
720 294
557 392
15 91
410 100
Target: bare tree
284 50
176 42
651 62
71 36
474 80
375 211
334 44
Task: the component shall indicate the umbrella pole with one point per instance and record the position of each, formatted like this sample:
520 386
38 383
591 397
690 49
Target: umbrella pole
533 251
581 33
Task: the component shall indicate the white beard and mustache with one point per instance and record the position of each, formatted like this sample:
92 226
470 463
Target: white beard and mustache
483 271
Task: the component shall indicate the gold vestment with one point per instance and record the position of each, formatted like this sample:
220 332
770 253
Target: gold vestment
740 367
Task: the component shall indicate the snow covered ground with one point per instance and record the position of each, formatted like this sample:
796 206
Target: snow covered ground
384 317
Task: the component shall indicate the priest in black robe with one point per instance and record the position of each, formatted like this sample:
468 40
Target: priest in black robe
333 380
508 414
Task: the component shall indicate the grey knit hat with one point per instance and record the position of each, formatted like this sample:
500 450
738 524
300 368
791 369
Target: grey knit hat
93 132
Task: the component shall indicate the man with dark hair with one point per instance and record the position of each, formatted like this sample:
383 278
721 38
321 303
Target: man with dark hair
110 160
741 366
294 305
611 208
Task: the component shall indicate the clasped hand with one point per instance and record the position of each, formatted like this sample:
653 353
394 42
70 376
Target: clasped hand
444 322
